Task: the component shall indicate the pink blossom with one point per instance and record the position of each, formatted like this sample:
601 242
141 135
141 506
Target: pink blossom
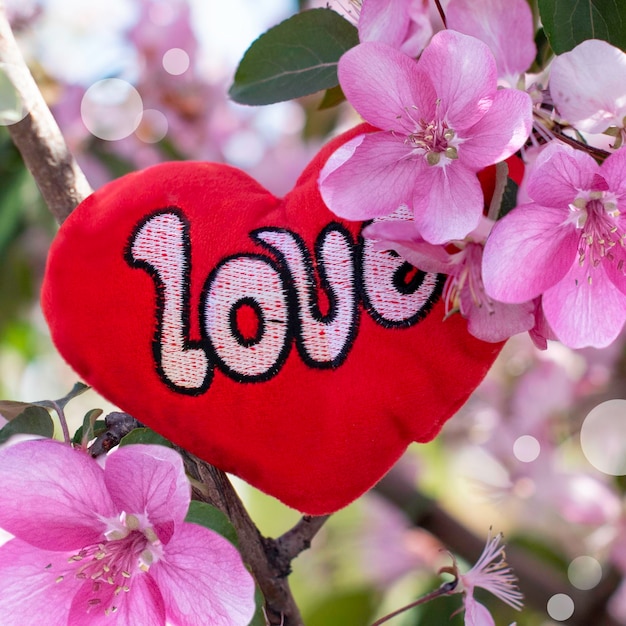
506 26
402 24
111 545
493 574
587 86
442 120
567 244
488 319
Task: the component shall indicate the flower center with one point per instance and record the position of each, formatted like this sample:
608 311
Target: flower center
433 140
597 217
129 549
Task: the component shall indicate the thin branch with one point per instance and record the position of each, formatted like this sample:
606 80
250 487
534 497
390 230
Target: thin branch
38 138
441 13
257 551
299 538
538 580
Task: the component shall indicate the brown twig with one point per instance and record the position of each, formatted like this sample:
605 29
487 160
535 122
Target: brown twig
269 559
38 138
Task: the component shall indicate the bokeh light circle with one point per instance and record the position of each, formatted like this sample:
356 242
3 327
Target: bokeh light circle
12 109
176 61
111 109
584 572
603 437
153 126
560 607
526 448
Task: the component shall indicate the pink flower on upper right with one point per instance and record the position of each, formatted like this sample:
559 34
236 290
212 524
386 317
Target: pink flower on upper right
567 244
587 85
442 119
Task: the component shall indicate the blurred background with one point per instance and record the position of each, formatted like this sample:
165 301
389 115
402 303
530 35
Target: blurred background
539 451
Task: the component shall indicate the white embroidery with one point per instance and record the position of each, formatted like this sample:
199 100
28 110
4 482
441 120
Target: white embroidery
161 244
379 268
241 278
324 338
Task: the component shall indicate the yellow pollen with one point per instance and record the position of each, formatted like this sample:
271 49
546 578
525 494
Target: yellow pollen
59 579
452 153
432 158
132 522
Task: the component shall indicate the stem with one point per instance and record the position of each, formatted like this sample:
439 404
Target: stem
441 13
38 138
269 559
63 421
444 590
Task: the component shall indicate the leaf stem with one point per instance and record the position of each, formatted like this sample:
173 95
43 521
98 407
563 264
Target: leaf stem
441 13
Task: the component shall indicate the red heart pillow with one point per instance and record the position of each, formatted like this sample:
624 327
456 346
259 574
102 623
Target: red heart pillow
263 335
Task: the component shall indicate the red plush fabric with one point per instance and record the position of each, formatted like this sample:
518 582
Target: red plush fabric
256 332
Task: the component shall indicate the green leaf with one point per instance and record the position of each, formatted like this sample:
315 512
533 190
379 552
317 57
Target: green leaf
295 58
332 98
259 616
10 409
145 435
34 420
509 198
90 426
210 517
568 23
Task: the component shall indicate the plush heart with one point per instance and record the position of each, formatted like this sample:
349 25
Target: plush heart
262 334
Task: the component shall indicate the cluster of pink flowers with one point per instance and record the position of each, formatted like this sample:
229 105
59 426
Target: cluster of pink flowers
554 265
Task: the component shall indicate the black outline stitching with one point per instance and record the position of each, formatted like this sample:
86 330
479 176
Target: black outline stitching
246 342
314 285
402 287
284 353
160 299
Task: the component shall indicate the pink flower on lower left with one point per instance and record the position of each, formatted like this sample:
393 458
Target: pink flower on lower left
111 546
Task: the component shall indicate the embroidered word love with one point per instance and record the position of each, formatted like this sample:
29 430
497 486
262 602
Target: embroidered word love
262 334
282 295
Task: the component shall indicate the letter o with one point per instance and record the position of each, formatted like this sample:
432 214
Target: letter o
246 279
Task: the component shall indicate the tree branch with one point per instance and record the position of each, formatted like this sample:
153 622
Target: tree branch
270 559
38 138
538 580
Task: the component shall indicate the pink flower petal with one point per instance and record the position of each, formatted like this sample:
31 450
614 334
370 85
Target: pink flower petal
204 581
502 131
386 21
53 496
528 252
402 24
463 73
401 236
448 202
384 85
498 321
374 181
586 94
476 614
613 170
158 487
506 26
29 592
583 314
558 175
141 605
